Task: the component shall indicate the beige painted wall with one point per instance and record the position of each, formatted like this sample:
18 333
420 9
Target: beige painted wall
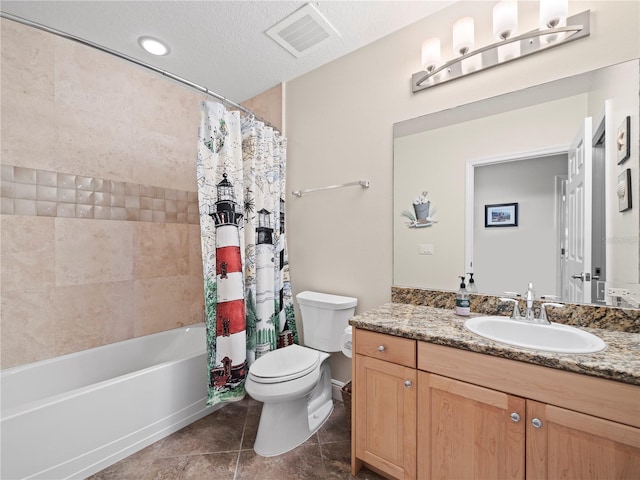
339 124
268 105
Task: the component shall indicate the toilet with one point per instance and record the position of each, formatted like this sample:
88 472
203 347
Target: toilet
294 382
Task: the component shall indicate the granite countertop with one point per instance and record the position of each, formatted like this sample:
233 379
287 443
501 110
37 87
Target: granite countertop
619 361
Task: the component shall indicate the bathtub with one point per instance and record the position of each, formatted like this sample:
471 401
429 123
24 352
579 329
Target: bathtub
72 416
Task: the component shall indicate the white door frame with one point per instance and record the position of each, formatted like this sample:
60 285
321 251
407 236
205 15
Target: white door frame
603 125
470 189
580 189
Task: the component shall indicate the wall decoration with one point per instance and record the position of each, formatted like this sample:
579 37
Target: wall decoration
623 140
501 215
624 190
423 212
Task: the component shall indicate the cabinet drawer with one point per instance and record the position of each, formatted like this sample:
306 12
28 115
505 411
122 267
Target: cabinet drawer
386 347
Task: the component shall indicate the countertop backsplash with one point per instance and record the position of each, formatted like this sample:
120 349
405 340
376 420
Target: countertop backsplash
592 316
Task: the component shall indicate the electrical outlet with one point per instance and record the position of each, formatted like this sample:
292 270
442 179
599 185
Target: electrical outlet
426 249
617 292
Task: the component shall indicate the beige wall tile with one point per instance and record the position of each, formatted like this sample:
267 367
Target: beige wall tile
81 135
28 60
166 303
27 95
160 250
196 291
165 148
92 81
27 133
93 251
195 251
28 326
88 316
174 108
164 159
27 253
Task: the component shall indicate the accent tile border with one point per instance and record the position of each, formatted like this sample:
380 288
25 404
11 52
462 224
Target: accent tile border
29 191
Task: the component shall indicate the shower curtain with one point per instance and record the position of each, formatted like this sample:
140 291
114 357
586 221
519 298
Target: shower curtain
241 190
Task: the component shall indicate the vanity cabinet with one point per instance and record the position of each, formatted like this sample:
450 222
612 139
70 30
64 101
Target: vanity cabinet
472 415
565 444
518 420
385 396
467 431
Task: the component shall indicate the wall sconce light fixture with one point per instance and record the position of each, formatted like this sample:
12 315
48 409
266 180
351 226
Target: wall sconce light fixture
555 29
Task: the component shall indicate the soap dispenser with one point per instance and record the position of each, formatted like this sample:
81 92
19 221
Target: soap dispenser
471 288
462 300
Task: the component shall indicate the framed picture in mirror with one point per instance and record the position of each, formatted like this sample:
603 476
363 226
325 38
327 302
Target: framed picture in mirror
623 140
624 190
501 215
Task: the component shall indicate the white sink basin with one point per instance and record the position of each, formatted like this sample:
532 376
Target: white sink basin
550 338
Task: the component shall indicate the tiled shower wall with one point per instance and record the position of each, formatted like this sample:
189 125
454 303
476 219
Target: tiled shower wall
100 239
99 227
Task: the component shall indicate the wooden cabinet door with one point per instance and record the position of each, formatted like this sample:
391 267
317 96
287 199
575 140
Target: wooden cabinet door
385 416
571 445
467 432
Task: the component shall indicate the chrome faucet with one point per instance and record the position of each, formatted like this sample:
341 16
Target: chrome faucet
530 297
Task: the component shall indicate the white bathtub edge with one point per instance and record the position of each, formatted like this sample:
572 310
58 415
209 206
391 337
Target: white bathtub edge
96 460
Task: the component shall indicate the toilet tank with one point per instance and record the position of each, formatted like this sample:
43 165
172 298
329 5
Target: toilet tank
324 318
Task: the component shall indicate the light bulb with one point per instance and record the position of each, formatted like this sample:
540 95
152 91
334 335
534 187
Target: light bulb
463 35
431 54
553 13
505 19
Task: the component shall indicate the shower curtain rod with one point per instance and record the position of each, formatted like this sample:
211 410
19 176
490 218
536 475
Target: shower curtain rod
184 81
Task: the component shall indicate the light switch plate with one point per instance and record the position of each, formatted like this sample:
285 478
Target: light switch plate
426 249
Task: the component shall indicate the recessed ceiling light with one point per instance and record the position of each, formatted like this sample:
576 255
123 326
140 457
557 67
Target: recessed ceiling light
153 46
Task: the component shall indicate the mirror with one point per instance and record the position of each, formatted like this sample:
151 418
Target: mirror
517 155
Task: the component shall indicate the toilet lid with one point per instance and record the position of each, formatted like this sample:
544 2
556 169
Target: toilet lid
285 364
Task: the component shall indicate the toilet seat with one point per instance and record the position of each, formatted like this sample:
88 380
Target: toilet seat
285 364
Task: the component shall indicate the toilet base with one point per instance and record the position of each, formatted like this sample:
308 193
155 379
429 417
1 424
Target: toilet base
288 424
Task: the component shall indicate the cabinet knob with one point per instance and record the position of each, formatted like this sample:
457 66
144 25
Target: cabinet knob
515 418
536 422
408 383
381 348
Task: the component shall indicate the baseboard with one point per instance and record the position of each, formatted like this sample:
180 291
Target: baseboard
336 389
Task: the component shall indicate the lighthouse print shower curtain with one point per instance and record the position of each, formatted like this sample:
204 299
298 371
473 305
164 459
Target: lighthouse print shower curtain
241 190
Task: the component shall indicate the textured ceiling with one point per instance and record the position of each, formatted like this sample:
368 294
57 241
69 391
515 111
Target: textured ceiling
221 45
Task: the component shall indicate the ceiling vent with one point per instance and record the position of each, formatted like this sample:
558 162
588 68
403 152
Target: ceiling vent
303 31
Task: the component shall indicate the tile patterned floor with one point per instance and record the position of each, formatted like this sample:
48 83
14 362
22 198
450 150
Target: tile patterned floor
220 447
